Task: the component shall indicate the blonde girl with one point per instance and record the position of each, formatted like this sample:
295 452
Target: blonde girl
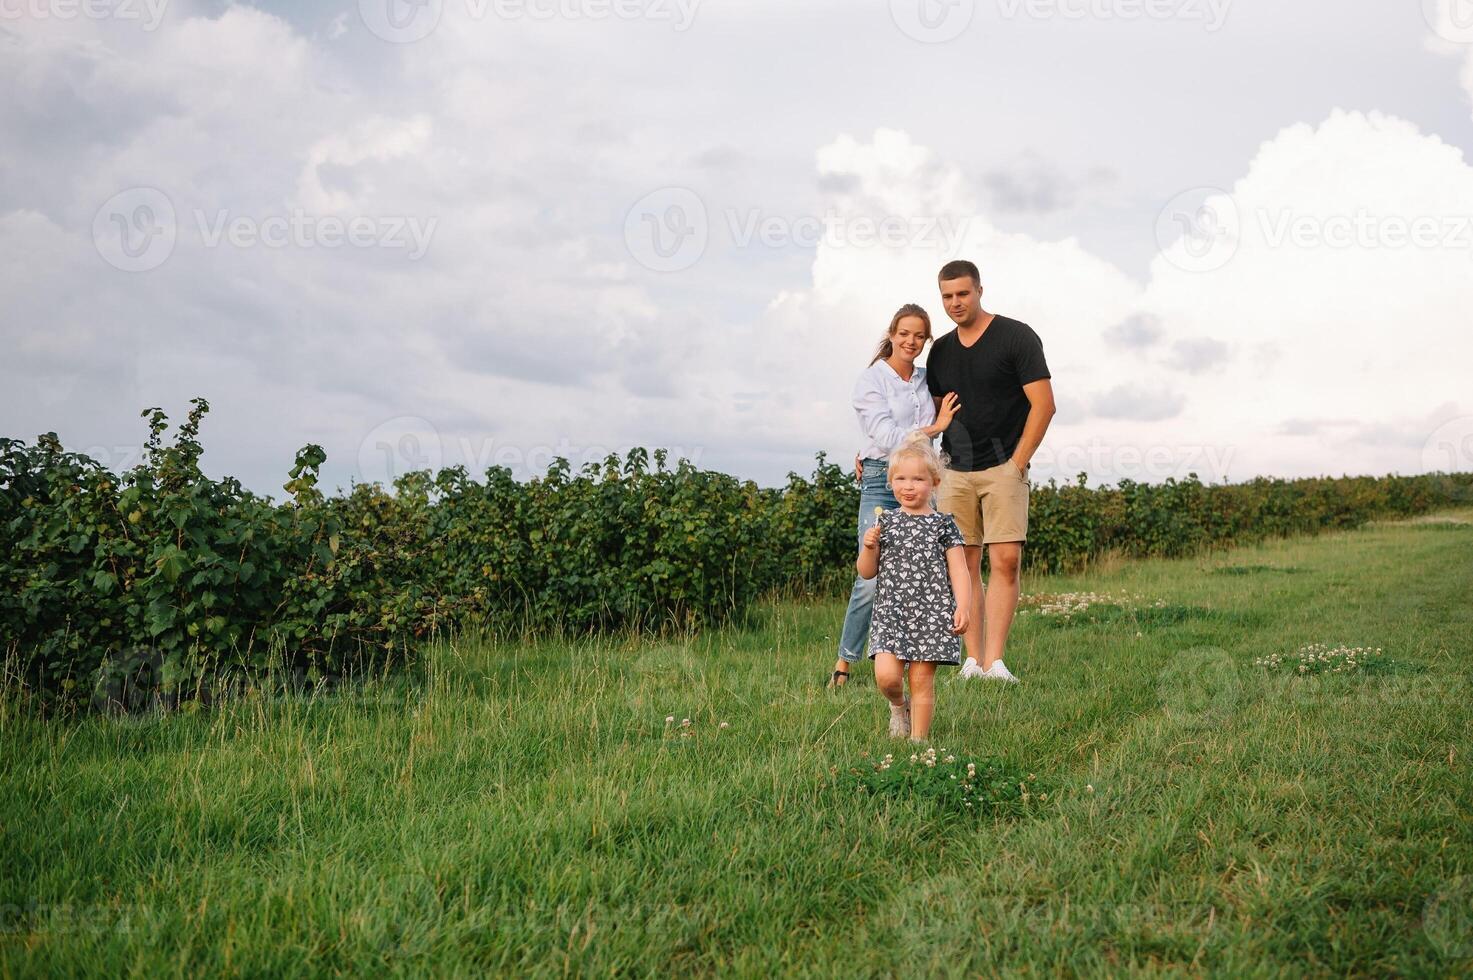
921 596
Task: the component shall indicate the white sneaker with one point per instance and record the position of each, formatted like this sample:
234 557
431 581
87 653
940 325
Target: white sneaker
971 669
900 720
999 672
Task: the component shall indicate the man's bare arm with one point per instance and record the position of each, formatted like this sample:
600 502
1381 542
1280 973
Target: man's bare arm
1040 413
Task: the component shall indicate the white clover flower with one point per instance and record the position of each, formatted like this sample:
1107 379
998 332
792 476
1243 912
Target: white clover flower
669 719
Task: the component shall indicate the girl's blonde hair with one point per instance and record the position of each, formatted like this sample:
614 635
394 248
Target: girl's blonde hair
887 346
917 445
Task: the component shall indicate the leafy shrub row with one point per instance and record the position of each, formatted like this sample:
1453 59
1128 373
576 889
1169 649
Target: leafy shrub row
161 578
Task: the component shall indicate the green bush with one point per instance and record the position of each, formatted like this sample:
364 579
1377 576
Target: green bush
160 582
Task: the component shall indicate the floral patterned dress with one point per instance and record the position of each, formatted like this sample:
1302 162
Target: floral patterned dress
913 601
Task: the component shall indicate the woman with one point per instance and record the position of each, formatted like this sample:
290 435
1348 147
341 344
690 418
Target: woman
891 401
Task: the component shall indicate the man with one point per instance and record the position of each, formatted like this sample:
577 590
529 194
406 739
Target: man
996 367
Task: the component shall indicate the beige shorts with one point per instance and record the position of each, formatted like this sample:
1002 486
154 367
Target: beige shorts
989 505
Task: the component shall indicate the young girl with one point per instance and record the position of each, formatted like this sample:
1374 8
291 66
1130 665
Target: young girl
921 599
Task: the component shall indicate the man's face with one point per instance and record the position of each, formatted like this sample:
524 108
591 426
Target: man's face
962 299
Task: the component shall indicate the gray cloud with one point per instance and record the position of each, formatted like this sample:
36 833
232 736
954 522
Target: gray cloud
1035 187
1028 191
1138 404
1136 332
1198 354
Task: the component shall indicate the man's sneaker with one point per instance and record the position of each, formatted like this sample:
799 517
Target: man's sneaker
900 720
971 669
999 672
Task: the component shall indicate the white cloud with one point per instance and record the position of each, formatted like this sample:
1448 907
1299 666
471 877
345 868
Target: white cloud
1294 325
1334 308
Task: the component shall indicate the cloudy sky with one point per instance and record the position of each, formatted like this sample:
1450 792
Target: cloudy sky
490 231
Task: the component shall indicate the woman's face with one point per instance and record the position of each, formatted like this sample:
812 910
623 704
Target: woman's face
909 338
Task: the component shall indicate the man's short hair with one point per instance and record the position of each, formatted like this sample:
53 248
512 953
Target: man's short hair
958 268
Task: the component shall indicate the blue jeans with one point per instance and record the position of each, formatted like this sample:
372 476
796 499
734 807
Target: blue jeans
874 492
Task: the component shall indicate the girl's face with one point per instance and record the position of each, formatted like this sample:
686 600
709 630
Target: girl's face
909 338
910 481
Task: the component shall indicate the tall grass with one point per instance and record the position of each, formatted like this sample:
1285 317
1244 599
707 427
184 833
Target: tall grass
528 810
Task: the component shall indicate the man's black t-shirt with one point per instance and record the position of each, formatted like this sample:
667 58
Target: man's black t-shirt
988 378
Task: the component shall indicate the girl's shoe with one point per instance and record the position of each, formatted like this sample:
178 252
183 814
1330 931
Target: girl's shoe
900 720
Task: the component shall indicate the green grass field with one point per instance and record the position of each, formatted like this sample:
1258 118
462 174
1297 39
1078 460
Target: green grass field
528 811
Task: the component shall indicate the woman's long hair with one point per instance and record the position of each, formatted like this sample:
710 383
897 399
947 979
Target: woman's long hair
887 347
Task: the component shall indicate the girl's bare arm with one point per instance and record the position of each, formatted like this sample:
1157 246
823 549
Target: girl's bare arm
961 588
868 562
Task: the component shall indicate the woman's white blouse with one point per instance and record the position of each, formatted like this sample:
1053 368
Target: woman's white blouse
890 408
